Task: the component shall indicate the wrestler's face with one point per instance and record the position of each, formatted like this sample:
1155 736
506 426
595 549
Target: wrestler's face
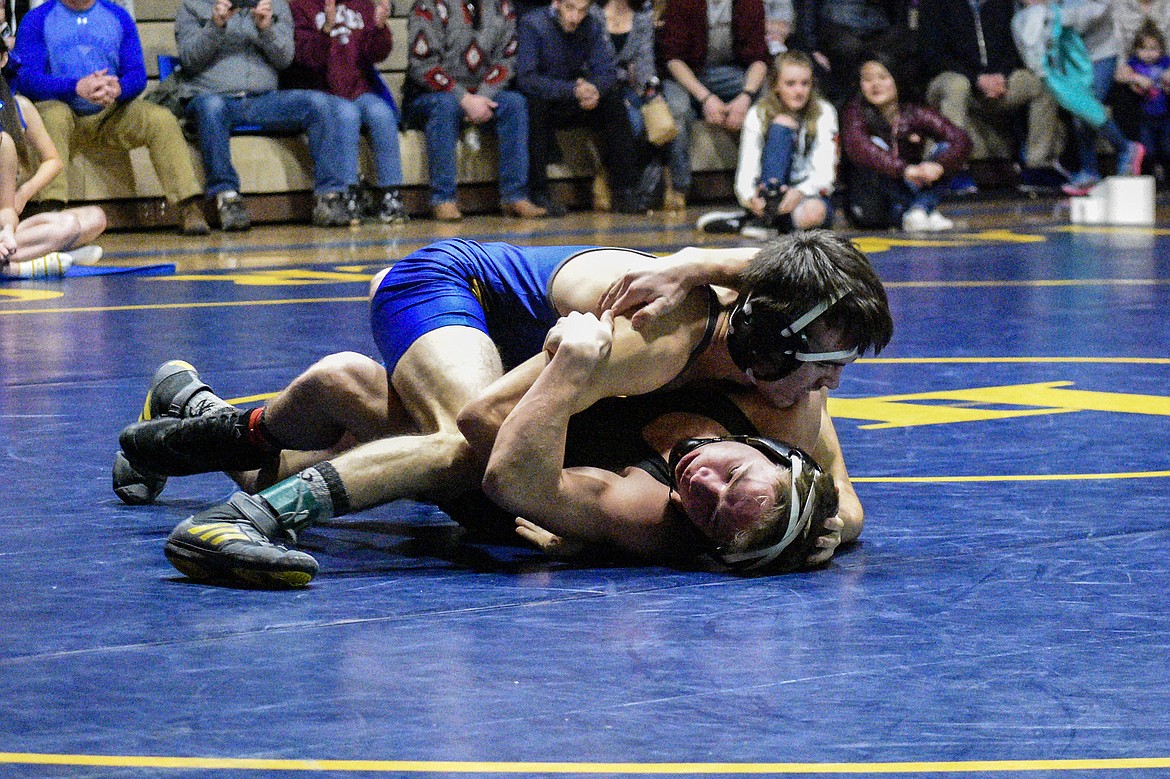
725 487
570 13
810 376
877 85
794 85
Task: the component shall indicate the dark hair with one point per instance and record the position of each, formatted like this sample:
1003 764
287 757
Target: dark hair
9 116
791 275
1149 29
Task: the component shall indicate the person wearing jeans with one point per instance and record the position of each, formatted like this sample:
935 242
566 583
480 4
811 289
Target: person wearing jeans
447 91
338 46
230 59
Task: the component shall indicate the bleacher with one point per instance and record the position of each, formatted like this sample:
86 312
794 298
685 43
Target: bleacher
276 172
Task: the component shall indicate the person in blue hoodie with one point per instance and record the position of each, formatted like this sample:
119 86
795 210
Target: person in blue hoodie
81 63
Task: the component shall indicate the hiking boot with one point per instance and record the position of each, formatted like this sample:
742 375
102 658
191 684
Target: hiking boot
235 542
191 219
335 209
233 214
183 447
390 209
673 200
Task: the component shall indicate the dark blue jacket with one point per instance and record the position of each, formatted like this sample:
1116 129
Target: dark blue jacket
550 61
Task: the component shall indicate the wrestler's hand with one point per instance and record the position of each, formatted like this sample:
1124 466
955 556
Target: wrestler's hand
653 291
549 543
580 339
827 542
7 243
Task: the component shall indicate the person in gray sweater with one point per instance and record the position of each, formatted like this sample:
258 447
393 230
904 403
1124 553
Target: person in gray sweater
231 53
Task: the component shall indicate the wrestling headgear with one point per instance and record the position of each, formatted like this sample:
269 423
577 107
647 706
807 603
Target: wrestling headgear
758 351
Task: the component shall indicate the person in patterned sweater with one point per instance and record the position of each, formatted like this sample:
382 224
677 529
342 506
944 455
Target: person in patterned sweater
461 62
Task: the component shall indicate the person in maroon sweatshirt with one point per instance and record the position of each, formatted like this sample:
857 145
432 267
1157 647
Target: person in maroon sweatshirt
338 45
901 155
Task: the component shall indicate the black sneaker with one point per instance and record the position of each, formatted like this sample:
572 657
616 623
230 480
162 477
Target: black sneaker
721 221
233 214
336 209
174 386
183 447
391 210
235 542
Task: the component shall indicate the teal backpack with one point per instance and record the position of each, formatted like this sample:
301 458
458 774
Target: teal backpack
1068 71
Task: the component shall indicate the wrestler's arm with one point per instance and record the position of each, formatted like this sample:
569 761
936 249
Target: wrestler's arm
525 473
828 454
657 287
639 361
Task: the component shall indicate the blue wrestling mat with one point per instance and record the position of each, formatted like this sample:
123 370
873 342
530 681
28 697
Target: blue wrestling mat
1004 614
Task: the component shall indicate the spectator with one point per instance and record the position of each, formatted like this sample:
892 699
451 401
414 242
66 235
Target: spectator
716 59
839 33
337 46
894 180
49 242
976 77
631 31
778 15
787 158
1150 79
87 93
231 56
461 66
1128 18
1033 30
568 71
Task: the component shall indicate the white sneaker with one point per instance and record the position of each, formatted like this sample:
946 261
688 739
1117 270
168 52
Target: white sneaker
86 255
916 221
938 223
721 222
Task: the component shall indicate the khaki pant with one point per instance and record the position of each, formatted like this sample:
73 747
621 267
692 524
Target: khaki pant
988 122
125 126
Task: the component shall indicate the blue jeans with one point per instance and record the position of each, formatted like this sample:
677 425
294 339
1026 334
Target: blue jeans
442 120
1154 133
1084 135
726 81
380 121
776 162
331 123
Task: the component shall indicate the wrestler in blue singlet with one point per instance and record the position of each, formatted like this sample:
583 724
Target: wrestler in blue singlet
499 289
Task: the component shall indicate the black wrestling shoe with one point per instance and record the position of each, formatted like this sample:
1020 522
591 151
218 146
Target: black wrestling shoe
204 444
172 386
136 486
235 542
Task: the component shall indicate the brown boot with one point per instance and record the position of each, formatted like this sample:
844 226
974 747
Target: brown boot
191 219
673 200
524 209
601 197
446 211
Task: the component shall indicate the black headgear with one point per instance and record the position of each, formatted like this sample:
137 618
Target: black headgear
758 350
800 511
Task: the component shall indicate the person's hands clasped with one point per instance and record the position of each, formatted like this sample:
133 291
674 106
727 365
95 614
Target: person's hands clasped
7 243
923 174
221 12
714 110
476 108
737 111
262 15
587 94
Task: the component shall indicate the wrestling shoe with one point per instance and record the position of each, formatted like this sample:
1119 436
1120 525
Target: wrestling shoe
236 542
172 388
183 447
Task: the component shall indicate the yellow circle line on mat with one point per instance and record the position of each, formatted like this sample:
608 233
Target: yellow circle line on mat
1022 477
453 766
210 304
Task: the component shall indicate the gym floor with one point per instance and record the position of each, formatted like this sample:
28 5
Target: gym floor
1004 614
